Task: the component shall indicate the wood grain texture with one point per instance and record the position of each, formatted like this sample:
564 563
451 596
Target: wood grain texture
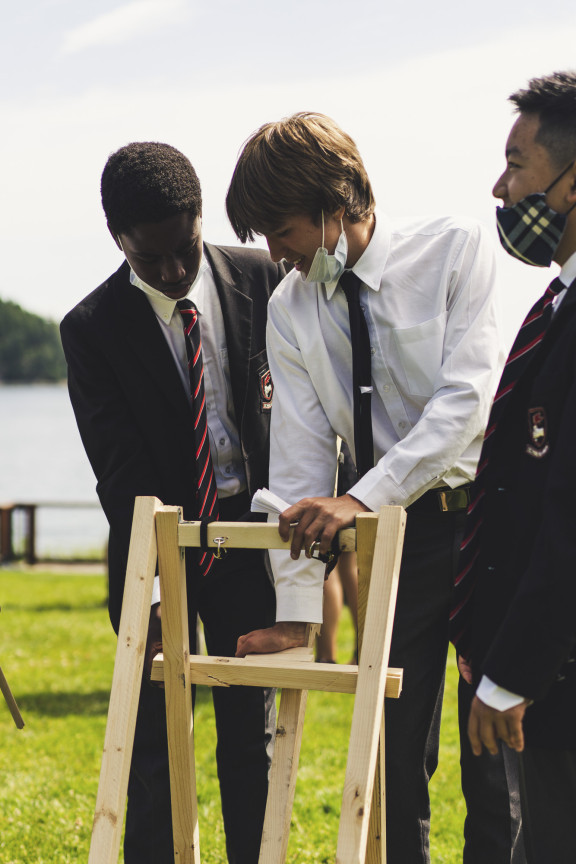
180 725
249 535
281 672
369 702
125 691
284 769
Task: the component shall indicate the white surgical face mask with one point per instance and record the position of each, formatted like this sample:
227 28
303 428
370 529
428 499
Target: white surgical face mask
325 267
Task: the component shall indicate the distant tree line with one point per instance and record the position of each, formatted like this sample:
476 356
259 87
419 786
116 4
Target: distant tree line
30 348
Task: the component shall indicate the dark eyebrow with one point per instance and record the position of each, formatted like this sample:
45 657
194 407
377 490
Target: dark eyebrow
191 241
513 151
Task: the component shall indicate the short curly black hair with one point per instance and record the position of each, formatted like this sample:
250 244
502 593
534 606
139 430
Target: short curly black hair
146 182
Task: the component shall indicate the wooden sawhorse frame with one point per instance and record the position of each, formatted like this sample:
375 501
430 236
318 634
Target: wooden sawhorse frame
158 533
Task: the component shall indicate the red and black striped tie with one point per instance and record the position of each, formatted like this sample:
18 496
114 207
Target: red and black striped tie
207 493
529 337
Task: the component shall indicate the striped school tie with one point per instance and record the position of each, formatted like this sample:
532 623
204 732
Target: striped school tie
523 350
207 493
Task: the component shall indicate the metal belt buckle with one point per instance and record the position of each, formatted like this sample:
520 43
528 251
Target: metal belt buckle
443 499
451 500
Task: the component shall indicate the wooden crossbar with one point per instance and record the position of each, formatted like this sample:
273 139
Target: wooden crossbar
274 670
159 532
249 535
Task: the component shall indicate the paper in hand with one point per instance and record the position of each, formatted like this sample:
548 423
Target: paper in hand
264 501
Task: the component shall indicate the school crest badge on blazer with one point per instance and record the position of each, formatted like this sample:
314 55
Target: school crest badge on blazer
538 444
266 388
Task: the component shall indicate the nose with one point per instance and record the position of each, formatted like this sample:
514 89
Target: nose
499 188
172 270
275 249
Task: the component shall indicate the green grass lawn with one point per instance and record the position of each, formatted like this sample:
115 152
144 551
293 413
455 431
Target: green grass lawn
57 652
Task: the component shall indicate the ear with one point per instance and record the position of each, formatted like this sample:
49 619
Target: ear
571 195
115 237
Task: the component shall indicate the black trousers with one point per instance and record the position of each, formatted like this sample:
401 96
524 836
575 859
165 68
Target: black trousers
548 796
233 599
420 646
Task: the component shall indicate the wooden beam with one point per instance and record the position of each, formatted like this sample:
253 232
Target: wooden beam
261 535
369 703
179 721
125 692
376 844
283 673
284 768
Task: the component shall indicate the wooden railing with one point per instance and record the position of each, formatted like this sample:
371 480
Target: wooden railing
26 550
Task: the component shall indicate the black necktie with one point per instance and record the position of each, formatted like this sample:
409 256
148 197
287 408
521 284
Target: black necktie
361 374
206 493
523 350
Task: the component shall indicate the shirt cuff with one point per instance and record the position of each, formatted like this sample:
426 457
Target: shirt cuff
156 591
306 606
497 697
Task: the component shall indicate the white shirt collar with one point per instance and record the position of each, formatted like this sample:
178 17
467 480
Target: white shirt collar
164 306
568 272
370 266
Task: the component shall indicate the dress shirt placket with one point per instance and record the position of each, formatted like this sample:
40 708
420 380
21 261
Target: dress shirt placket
386 392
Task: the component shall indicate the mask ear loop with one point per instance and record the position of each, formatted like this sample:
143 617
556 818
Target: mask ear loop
322 211
565 171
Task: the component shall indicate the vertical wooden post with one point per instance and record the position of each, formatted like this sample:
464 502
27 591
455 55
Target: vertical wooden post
6 547
180 724
125 692
30 550
366 526
369 702
284 770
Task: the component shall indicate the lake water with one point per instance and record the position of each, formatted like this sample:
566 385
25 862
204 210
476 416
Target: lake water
42 460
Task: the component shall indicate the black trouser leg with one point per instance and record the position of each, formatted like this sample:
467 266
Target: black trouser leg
548 794
238 599
419 646
493 825
148 836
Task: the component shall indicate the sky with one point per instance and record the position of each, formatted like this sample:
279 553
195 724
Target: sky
421 87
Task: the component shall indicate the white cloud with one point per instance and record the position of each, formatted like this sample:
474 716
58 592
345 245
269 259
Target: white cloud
121 25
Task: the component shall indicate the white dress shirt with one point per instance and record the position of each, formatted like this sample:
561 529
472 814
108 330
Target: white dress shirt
490 693
225 446
428 298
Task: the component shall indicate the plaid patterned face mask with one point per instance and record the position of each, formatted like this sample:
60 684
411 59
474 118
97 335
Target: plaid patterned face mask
530 230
